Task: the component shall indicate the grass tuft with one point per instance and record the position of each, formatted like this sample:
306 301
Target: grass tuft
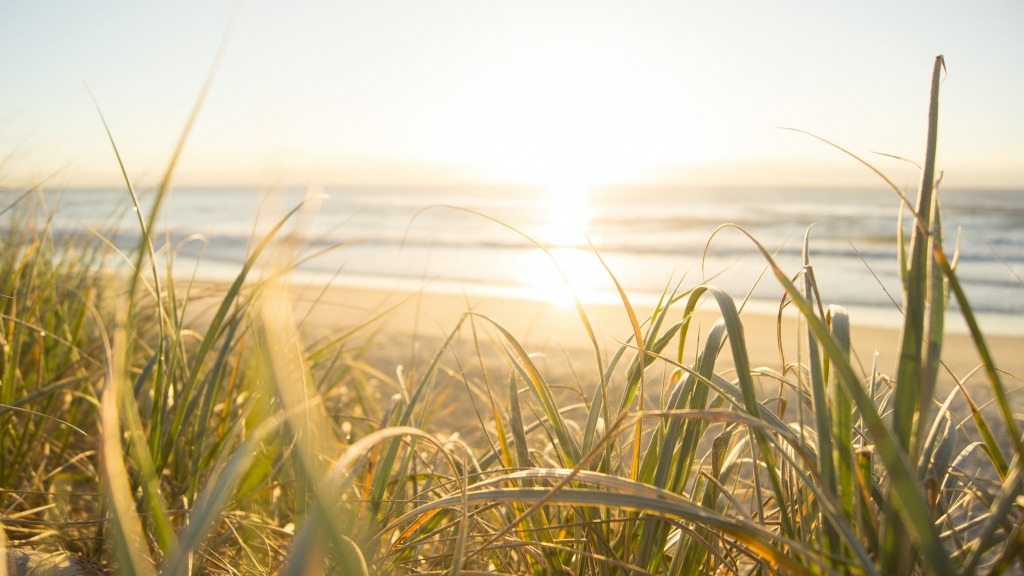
143 436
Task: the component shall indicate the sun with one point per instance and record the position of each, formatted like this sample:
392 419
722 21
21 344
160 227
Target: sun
582 117
568 215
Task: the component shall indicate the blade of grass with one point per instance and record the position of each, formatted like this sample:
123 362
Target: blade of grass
641 363
910 504
822 410
129 541
569 448
175 427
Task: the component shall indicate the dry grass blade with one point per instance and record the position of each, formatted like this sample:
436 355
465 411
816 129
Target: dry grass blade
641 359
129 539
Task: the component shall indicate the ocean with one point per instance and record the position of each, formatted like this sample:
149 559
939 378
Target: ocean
442 239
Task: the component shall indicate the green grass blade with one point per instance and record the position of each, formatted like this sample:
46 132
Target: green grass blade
210 504
910 503
569 448
641 360
908 371
843 426
515 418
129 540
935 310
734 328
822 409
175 429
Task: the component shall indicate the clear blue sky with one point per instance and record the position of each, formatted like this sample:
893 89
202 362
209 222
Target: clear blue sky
540 92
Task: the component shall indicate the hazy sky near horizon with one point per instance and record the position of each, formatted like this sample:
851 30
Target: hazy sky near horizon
534 92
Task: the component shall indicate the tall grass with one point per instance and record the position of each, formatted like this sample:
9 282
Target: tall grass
143 444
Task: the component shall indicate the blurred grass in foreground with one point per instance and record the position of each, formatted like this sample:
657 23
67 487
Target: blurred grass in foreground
142 444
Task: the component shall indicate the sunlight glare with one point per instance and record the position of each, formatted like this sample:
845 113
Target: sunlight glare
580 266
568 215
583 117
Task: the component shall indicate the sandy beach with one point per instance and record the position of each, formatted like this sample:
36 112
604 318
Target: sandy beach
407 320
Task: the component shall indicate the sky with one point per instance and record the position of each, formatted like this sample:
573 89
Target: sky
543 93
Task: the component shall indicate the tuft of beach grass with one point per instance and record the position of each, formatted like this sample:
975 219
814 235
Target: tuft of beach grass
144 438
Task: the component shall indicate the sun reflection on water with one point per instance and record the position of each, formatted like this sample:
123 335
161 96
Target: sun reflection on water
581 268
569 216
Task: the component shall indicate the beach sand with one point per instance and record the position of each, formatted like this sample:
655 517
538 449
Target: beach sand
540 325
406 329
412 325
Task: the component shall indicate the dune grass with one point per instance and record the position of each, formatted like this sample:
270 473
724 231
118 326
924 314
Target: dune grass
144 441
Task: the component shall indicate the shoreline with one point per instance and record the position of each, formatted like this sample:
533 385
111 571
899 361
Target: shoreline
866 316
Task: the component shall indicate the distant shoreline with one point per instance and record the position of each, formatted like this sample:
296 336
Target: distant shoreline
404 239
